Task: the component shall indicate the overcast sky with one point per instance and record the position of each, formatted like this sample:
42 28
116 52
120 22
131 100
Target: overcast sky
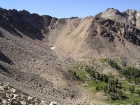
69 8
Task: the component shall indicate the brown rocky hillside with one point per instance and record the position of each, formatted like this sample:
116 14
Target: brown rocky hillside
33 47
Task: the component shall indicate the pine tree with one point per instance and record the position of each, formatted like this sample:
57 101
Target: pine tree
138 92
132 89
105 88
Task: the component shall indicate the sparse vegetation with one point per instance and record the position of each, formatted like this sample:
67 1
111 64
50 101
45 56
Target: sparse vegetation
74 74
102 60
119 91
113 64
138 92
132 89
132 74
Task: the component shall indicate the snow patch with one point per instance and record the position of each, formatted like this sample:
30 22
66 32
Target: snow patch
53 48
138 14
53 103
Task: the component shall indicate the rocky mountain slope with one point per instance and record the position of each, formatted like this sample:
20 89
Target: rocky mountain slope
33 49
129 17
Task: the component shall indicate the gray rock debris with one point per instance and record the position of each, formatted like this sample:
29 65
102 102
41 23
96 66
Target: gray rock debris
11 96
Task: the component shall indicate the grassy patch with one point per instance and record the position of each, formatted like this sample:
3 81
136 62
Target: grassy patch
111 75
103 60
81 74
78 72
93 85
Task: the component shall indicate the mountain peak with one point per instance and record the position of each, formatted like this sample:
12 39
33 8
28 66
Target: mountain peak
112 12
112 9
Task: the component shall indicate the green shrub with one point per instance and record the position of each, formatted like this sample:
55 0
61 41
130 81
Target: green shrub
132 89
138 92
113 64
74 74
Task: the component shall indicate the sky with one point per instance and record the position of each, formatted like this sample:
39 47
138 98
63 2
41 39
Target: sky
69 8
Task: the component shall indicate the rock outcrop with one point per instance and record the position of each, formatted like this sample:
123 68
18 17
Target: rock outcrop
128 17
111 29
11 96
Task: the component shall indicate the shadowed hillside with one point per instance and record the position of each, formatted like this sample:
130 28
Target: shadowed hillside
5 58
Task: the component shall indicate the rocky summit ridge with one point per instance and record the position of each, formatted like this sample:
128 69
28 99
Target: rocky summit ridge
34 50
130 17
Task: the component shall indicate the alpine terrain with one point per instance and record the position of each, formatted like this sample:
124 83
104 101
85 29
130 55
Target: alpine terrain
69 61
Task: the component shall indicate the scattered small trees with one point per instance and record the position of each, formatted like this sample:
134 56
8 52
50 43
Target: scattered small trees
110 85
113 64
96 75
132 74
112 89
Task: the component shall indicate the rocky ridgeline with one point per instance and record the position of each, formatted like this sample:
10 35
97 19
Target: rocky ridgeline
25 22
129 17
111 29
11 96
